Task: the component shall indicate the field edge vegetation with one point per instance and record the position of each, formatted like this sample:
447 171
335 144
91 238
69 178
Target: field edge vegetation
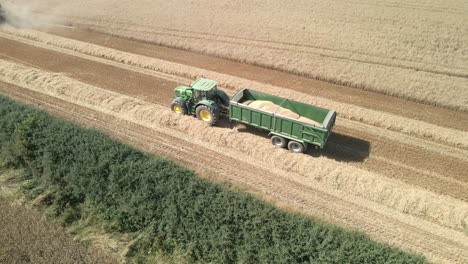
27 235
167 207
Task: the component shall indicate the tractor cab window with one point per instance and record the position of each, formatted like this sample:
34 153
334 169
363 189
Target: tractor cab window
199 95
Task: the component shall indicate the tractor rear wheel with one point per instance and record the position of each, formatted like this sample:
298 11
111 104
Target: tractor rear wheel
179 106
296 147
278 141
208 114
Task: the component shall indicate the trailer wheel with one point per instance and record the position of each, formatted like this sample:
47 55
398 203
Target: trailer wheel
208 114
278 141
179 106
295 147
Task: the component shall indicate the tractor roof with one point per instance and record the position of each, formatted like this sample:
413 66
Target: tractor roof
203 84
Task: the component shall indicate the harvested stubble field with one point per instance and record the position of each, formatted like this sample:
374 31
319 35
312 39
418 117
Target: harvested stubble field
26 236
412 49
394 169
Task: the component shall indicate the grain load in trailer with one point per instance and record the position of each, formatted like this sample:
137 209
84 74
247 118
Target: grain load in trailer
268 106
290 124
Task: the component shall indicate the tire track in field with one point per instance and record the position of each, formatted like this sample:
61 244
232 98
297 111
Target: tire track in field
338 54
442 179
421 7
267 183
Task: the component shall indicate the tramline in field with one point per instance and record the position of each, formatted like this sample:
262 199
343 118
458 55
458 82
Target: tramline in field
290 124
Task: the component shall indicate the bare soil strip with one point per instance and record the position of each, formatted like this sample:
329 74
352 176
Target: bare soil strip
380 119
436 243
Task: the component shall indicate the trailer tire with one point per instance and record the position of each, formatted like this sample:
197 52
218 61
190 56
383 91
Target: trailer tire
296 147
279 142
208 114
179 106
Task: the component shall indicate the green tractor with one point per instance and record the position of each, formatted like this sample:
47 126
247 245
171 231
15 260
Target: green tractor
201 99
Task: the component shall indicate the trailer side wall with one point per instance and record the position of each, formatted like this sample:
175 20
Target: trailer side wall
279 125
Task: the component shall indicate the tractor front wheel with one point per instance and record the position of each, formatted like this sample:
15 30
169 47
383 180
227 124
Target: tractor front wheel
208 114
178 106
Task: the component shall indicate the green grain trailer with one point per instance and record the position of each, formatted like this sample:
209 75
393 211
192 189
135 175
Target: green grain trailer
285 132
291 124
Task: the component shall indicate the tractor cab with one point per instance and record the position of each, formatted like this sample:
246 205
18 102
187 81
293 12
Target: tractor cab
201 99
203 89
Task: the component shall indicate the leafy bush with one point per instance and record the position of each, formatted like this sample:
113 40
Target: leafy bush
173 209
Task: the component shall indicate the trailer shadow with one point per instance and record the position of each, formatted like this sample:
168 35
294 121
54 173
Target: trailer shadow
340 147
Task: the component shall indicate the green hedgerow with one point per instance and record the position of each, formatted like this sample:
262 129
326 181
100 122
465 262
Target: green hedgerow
175 211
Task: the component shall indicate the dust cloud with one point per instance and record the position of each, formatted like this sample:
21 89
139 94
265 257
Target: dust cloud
33 14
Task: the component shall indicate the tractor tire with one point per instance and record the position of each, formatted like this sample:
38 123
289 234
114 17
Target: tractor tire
208 114
222 98
278 141
296 147
179 106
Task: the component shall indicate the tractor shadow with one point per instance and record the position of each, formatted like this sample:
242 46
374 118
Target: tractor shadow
340 147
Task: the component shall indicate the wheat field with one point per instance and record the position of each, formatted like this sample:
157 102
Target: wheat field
412 49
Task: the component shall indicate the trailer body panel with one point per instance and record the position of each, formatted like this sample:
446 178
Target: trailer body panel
289 128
